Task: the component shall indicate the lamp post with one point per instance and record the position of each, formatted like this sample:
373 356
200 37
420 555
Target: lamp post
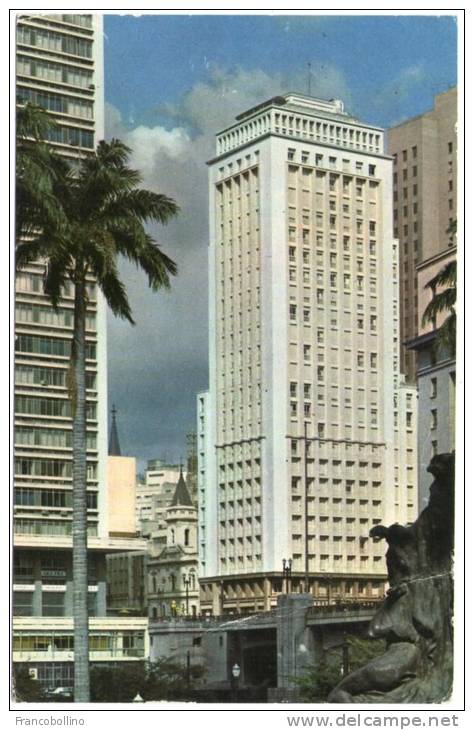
235 680
287 574
186 582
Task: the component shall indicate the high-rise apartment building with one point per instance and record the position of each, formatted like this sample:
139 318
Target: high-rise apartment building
303 439
60 67
425 205
424 151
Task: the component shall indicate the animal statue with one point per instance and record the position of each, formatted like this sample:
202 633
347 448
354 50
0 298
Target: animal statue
415 617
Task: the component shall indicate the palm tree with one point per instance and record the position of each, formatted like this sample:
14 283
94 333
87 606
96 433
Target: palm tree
105 213
444 302
38 171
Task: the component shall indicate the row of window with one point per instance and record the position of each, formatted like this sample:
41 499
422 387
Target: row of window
50 346
128 642
71 136
52 437
33 283
49 468
56 103
347 245
26 313
332 162
54 72
51 40
32 375
49 498
84 21
48 527
52 604
49 407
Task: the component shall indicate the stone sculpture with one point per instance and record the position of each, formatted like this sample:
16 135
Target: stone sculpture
415 617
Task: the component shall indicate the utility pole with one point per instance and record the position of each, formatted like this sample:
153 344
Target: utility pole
306 551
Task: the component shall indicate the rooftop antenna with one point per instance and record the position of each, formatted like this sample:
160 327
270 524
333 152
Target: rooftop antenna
309 78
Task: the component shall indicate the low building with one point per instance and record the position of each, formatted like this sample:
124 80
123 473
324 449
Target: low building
172 570
436 379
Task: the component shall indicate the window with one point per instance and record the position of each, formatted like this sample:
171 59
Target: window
373 360
414 151
53 603
434 388
307 352
372 169
415 170
293 312
360 359
321 430
293 390
434 419
450 148
291 154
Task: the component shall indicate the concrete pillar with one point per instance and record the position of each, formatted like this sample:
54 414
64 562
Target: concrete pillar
294 640
267 592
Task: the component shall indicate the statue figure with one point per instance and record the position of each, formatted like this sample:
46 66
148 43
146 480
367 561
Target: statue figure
415 617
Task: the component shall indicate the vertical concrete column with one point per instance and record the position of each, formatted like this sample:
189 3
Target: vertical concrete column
100 570
37 596
267 592
294 640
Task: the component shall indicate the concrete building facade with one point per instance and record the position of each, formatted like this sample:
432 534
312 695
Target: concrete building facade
59 67
424 151
302 450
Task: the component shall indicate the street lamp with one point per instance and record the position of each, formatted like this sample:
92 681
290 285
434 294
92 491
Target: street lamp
186 582
235 679
287 573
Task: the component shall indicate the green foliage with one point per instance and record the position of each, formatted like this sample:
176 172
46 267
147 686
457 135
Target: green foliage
319 679
39 171
165 679
444 302
26 689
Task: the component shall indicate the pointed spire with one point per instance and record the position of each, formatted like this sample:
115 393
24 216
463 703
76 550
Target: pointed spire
181 497
114 443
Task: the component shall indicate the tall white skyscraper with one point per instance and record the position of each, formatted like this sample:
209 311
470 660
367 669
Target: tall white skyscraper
303 280
60 68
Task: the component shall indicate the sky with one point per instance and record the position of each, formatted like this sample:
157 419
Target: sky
171 83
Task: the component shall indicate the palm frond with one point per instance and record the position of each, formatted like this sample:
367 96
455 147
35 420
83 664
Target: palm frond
116 295
142 204
446 277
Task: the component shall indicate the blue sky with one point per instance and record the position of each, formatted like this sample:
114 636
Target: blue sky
155 59
172 82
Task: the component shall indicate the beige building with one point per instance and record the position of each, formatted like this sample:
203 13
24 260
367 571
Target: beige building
121 480
424 150
154 493
307 436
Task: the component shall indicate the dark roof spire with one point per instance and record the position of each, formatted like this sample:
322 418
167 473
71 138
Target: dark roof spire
114 443
181 497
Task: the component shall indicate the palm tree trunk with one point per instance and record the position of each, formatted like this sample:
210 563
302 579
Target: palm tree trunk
79 517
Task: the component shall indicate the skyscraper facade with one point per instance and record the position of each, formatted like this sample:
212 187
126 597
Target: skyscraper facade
425 210
424 151
60 68
303 434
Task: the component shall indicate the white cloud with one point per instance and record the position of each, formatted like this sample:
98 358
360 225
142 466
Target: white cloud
157 367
